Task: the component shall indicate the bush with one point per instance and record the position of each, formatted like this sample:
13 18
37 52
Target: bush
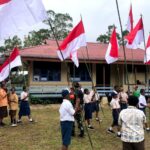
44 101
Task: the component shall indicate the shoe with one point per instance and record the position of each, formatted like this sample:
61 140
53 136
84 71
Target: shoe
19 121
110 131
90 127
30 120
147 129
119 135
97 119
14 125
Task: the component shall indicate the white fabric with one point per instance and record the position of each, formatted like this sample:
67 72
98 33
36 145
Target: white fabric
20 14
142 100
6 70
129 24
114 104
147 55
87 98
72 47
139 38
23 95
108 58
74 58
66 111
131 121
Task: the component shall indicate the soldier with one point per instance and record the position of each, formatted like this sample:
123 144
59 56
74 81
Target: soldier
78 105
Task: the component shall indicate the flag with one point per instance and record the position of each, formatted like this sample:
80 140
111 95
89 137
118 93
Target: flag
17 15
147 53
74 58
136 36
74 40
13 61
112 50
130 20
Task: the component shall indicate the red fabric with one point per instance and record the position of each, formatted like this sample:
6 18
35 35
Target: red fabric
114 44
77 31
131 36
4 1
13 55
148 42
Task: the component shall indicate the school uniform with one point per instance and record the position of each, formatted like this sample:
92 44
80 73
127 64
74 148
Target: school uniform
66 121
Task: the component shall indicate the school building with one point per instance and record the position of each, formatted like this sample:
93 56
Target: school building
46 70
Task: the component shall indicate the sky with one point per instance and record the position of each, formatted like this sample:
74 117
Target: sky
97 15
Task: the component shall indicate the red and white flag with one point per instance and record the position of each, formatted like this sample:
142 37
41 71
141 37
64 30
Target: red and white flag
17 15
13 61
147 53
136 36
74 58
130 20
112 50
72 43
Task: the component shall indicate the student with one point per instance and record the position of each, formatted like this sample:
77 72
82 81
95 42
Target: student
142 101
123 97
136 91
88 107
115 106
132 122
67 113
24 105
3 103
13 106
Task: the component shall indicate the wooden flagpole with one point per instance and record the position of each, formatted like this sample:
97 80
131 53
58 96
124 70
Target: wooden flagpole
123 45
55 36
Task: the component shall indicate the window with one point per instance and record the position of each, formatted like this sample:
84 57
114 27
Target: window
81 73
46 71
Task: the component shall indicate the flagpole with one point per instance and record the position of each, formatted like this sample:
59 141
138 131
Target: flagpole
123 45
147 69
54 34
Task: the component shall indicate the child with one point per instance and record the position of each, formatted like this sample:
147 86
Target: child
66 119
88 107
13 106
114 104
24 105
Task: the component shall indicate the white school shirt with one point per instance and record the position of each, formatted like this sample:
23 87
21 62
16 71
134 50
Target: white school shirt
115 103
66 111
142 100
23 95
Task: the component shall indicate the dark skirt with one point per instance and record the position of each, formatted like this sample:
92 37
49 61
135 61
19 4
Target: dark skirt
3 112
88 111
95 106
12 113
24 108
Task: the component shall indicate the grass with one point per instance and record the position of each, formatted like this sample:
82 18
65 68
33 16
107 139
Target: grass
45 133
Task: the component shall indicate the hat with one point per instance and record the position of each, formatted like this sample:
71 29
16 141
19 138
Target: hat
114 94
65 93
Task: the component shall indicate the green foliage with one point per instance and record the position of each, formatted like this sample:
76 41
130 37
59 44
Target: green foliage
105 38
12 42
44 101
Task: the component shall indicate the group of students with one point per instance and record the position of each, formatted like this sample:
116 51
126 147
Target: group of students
74 102
129 116
9 104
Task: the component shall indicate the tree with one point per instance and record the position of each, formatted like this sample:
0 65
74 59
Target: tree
61 24
104 38
11 43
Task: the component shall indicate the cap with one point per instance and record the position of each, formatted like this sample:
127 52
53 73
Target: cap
65 93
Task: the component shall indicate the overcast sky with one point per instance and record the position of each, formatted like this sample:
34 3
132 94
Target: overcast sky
97 15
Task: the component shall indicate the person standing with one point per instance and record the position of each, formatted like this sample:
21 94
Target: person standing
3 103
136 91
13 106
67 113
123 97
88 100
115 106
24 105
132 121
